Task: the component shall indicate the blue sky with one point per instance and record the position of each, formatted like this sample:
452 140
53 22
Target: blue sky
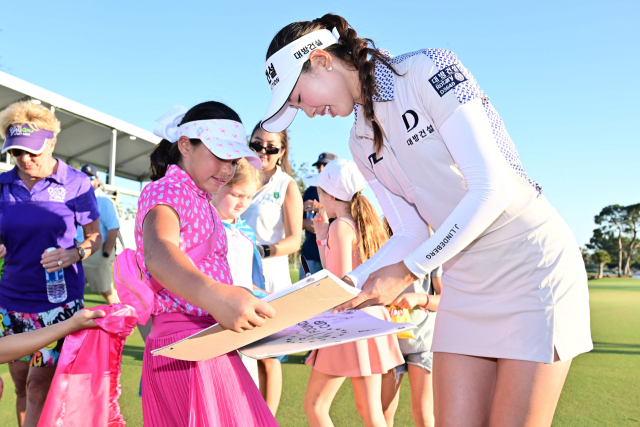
559 73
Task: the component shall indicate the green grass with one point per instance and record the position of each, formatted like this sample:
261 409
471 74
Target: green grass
602 389
603 386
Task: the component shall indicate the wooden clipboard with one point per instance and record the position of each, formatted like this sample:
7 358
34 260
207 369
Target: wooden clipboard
305 299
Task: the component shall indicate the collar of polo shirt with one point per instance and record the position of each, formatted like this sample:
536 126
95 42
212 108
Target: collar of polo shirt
283 69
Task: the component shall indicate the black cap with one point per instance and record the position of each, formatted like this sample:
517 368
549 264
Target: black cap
325 158
89 170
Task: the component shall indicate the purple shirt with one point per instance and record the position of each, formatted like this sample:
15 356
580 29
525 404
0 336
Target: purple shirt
31 222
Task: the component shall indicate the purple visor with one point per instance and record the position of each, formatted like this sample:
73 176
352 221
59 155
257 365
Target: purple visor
22 137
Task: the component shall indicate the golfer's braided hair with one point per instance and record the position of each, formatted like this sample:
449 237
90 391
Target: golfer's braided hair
359 53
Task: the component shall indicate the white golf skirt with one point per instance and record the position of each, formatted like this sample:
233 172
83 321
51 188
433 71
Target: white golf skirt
517 293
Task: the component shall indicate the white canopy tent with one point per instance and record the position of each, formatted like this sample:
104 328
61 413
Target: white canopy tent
88 136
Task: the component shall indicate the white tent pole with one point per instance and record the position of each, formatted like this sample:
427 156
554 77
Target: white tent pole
112 157
53 109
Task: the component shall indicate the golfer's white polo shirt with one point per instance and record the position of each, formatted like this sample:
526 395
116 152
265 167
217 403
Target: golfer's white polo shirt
414 162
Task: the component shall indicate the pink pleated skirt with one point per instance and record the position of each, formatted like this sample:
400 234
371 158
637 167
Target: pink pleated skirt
216 392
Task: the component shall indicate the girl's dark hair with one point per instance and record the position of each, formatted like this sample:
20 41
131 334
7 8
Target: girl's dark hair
359 53
284 140
167 153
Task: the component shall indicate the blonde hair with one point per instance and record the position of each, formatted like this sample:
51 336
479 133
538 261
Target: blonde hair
371 233
245 173
37 116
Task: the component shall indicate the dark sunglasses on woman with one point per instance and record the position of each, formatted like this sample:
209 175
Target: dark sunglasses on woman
258 148
16 152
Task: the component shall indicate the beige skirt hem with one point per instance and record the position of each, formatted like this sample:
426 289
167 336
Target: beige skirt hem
517 294
493 353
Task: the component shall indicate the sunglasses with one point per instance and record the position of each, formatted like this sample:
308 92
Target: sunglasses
16 152
258 148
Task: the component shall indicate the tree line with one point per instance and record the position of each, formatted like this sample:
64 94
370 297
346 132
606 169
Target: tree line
615 242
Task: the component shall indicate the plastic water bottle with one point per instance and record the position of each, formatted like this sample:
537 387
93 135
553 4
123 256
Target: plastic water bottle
56 286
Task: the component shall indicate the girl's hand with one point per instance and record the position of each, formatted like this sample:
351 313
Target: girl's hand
321 225
66 256
83 319
3 251
408 301
381 288
239 311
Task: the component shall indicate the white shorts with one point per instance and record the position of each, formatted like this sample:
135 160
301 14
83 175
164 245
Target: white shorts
98 271
517 293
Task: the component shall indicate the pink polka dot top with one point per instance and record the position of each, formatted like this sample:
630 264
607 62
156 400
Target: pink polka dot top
198 221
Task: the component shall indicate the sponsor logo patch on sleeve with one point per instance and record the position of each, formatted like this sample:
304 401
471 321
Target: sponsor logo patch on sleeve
446 79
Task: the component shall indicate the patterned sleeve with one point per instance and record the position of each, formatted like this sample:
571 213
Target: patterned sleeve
157 193
443 83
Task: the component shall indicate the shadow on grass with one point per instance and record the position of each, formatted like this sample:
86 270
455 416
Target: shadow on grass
614 288
134 351
295 359
615 348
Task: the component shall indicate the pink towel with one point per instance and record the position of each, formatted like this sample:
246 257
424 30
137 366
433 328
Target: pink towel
86 386
216 392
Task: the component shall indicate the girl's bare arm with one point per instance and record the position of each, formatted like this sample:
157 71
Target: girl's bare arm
232 307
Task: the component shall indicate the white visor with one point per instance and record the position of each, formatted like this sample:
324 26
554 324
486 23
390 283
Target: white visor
226 139
340 178
283 69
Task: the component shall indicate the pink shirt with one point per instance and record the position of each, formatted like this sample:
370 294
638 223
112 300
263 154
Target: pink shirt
198 221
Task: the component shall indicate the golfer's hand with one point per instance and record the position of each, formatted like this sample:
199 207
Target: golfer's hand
381 288
3 251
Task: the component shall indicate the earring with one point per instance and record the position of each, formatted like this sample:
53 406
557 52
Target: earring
329 69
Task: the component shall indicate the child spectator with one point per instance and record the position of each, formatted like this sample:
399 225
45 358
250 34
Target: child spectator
243 256
197 156
354 236
421 299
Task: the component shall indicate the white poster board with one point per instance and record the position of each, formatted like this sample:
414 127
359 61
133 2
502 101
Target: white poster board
323 331
307 298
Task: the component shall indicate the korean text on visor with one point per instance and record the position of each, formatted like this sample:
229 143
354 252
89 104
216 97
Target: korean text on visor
282 70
